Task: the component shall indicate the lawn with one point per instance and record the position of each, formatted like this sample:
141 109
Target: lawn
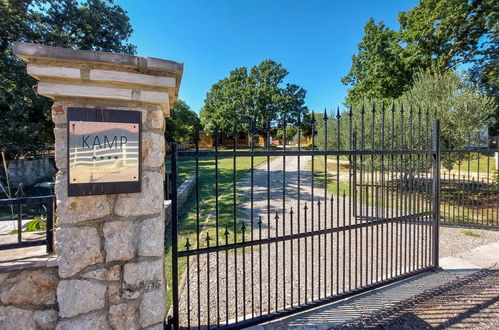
484 164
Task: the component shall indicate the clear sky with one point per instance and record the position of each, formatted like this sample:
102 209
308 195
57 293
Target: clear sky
313 39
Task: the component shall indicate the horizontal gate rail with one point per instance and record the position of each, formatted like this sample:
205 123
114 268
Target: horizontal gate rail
256 153
311 233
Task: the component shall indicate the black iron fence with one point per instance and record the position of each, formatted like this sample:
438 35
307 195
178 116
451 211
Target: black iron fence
272 232
470 187
22 211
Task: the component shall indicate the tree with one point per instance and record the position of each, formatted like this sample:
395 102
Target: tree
181 124
378 69
436 34
26 126
243 99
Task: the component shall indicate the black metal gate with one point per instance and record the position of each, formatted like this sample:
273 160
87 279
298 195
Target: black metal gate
276 230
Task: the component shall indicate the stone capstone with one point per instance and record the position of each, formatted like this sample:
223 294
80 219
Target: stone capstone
118 240
77 248
145 203
80 296
34 287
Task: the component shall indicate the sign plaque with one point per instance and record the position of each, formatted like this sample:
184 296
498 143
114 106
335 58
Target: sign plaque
103 151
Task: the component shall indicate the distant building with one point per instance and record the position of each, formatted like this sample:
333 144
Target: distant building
242 140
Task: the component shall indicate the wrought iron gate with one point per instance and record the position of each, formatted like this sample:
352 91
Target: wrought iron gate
273 231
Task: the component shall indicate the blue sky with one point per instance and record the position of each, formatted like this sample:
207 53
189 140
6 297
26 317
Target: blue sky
313 39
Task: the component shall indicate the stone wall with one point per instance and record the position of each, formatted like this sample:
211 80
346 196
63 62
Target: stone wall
183 193
30 171
28 299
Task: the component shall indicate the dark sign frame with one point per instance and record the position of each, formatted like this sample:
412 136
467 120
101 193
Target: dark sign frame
110 116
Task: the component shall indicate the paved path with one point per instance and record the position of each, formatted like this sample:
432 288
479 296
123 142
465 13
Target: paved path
464 294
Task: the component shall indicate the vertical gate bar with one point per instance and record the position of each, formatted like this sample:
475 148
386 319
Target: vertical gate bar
373 113
175 316
252 215
411 192
384 245
344 256
260 263
217 224
305 211
207 281
198 232
338 147
284 214
428 192
49 231
394 242
187 247
267 138
418 208
226 234
234 215
350 146
276 221
325 197
319 247
361 204
354 207
298 208
243 232
292 257
331 245
312 179
436 190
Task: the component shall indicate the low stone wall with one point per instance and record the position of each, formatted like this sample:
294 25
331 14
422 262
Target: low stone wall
30 171
183 193
28 298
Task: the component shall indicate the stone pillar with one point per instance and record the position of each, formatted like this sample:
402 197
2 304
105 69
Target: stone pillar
110 248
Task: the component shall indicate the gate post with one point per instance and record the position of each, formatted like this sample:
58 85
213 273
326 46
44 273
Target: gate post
110 235
436 190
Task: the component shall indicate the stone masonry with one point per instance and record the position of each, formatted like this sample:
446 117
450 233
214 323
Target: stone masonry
110 248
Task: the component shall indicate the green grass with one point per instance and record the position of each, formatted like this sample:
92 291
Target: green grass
470 233
486 165
188 223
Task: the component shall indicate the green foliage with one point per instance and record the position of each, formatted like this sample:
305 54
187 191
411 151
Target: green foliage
290 133
436 34
26 126
235 101
378 70
181 124
37 224
470 233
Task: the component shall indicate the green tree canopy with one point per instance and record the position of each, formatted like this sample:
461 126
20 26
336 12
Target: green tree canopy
436 34
26 126
378 69
257 96
182 123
